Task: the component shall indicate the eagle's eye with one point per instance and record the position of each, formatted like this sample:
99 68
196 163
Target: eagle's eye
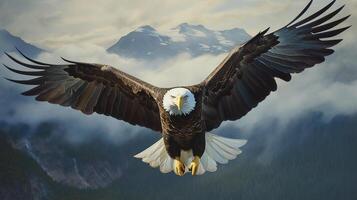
185 97
172 96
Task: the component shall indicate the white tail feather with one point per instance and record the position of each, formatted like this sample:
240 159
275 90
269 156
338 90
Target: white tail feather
218 149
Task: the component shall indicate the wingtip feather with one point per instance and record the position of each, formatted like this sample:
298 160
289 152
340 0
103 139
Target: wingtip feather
30 59
265 31
301 13
69 61
29 73
25 64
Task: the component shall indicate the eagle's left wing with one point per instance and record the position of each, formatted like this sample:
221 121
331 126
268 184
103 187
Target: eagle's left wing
93 88
248 74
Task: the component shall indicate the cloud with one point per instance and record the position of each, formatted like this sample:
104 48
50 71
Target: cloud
180 70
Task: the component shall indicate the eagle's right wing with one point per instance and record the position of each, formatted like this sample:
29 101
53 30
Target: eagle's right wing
93 88
247 76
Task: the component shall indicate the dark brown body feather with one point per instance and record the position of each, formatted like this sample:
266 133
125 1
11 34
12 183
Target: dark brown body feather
184 131
245 78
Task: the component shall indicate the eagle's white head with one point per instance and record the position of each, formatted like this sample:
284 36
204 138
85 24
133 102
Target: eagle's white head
179 101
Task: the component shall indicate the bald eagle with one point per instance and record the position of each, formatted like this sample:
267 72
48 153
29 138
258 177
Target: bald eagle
185 115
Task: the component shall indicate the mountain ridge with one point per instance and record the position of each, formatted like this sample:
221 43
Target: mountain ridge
9 43
146 43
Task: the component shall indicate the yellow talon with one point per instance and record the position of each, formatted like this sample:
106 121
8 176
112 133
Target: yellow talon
194 165
179 167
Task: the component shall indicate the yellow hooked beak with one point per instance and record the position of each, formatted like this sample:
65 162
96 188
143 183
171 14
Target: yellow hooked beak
179 102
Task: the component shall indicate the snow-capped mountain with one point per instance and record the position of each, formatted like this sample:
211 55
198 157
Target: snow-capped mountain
8 42
147 43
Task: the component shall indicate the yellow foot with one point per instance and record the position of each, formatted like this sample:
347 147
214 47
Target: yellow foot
194 165
179 167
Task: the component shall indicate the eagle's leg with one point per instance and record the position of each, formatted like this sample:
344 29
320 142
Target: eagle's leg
174 152
194 165
179 167
198 149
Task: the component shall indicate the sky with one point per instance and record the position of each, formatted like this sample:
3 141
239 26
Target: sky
82 31
52 24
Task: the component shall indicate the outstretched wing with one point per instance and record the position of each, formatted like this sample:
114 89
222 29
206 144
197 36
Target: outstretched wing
93 88
247 75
